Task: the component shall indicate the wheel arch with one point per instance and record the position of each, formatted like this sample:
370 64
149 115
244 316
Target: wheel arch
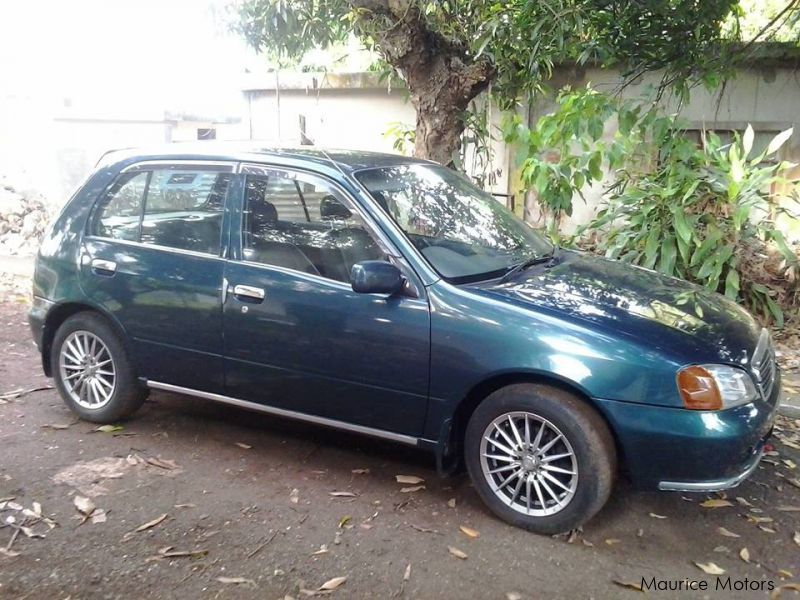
451 444
60 313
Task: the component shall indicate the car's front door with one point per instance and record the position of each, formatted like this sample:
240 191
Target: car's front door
152 259
296 335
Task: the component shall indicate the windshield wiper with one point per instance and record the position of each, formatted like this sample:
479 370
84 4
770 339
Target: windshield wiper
550 257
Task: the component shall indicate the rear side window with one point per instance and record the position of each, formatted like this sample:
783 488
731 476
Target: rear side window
119 213
183 209
171 207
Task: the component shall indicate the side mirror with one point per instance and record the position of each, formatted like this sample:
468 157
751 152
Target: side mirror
331 209
376 277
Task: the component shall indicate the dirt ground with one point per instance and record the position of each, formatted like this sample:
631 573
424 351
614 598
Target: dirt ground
250 512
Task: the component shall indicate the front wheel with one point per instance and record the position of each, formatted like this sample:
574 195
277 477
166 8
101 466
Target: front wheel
92 370
540 457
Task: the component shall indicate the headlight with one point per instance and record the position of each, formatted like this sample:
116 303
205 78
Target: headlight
715 387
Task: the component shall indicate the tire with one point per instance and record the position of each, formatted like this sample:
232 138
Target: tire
583 460
92 370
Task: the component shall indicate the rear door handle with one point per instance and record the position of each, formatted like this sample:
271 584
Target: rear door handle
249 292
104 267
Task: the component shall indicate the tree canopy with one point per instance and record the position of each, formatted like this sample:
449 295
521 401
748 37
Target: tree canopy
449 51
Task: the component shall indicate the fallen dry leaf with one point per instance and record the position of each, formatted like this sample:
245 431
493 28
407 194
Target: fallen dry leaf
788 508
342 494
410 479
457 553
655 516
332 584
242 445
451 503
723 549
85 506
409 490
167 465
344 521
744 554
785 574
151 524
187 505
727 532
778 591
109 428
323 549
56 426
716 503
469 532
360 471
513 596
612 541
407 573
796 537
294 496
710 568
631 585
237 581
742 501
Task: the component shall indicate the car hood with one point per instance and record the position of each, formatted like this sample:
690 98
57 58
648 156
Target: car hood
664 313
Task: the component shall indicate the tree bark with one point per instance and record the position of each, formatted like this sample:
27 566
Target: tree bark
441 76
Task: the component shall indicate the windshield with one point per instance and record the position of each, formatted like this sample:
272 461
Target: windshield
463 232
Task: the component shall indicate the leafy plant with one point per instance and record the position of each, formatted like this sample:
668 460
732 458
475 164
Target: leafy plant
702 214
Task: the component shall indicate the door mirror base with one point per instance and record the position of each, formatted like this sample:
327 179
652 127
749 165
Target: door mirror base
376 277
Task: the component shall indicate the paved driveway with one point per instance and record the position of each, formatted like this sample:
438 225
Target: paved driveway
250 512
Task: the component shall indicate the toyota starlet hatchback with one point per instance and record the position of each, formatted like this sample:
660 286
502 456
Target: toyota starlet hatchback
390 297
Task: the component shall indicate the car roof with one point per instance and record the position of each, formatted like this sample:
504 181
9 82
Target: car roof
347 160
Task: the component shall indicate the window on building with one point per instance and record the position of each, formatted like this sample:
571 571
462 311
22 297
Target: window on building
206 133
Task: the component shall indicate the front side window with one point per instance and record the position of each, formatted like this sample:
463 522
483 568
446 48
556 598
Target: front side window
183 209
463 232
302 222
119 213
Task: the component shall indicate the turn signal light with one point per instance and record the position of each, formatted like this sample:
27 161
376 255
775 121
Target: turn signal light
699 389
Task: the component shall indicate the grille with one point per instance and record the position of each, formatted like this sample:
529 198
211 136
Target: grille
764 367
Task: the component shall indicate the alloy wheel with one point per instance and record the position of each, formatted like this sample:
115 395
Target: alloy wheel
529 464
87 370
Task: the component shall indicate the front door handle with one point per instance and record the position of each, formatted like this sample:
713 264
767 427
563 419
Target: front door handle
104 267
249 292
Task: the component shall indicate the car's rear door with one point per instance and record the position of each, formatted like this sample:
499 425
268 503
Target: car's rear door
296 335
153 259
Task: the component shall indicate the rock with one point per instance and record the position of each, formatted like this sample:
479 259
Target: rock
23 219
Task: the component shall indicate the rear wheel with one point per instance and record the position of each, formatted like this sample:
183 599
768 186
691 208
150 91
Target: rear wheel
540 457
92 370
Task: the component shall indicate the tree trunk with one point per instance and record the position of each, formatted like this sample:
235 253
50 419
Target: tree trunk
442 77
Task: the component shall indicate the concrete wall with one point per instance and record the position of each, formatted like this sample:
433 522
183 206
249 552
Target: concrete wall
768 98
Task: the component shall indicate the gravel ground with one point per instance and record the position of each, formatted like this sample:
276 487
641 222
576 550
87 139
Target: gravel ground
251 498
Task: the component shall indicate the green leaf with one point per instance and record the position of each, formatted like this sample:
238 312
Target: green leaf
732 284
666 264
747 140
779 140
651 247
682 227
594 166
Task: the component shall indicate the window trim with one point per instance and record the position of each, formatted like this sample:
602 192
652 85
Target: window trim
148 166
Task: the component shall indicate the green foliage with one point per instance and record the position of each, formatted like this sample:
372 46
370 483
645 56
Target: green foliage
511 46
702 212
565 150
402 136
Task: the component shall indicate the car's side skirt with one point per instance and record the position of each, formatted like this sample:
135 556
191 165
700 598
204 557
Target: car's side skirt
282 412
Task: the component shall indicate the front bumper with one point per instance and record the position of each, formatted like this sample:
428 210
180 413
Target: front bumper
678 449
717 485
